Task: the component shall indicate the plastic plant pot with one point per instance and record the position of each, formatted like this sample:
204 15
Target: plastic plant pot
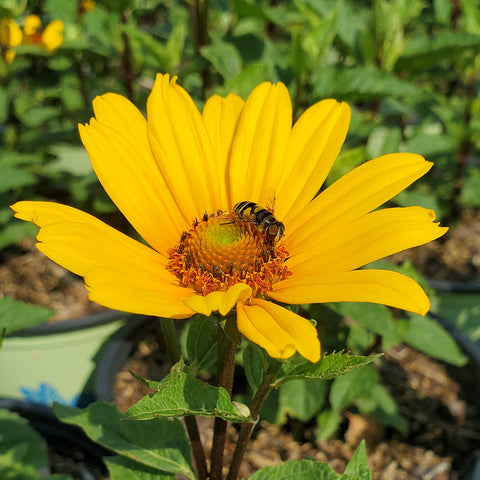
55 362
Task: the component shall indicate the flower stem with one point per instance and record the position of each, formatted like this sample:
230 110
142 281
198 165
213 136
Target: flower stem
171 340
247 428
226 367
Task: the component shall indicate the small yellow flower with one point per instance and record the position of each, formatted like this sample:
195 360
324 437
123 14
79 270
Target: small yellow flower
86 6
177 177
51 37
10 37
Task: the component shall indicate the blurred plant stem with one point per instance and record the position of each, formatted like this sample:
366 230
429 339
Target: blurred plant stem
171 340
247 428
82 82
128 72
226 366
199 25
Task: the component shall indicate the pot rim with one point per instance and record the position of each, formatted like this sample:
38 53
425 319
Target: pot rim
89 321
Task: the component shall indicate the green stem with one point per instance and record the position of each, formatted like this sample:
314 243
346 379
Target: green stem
247 428
226 367
171 340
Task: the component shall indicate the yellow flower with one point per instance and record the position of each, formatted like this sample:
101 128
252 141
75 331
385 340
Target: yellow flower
10 37
51 37
177 177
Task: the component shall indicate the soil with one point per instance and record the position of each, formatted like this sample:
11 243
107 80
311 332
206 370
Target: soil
453 257
442 412
29 276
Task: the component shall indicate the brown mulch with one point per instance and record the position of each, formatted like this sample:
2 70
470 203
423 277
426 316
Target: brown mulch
453 257
29 276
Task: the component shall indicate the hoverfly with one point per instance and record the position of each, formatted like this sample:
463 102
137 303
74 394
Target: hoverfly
263 218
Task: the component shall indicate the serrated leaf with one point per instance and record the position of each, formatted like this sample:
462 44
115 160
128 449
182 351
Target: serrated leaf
357 467
330 366
180 395
429 337
121 468
158 443
15 315
297 470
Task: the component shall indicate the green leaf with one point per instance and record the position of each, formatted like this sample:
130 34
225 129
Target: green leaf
15 315
12 177
383 140
301 399
429 337
328 422
71 159
297 470
224 57
255 362
22 449
382 406
15 231
180 395
65 10
352 386
471 186
359 83
373 317
463 310
357 467
121 468
200 342
159 443
424 51
330 366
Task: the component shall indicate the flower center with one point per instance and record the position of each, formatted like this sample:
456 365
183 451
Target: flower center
221 250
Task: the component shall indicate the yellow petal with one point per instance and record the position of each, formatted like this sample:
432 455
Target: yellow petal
52 35
182 149
221 302
314 144
85 241
136 293
9 55
10 34
118 148
372 286
221 117
371 237
279 331
120 272
258 150
32 24
358 192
